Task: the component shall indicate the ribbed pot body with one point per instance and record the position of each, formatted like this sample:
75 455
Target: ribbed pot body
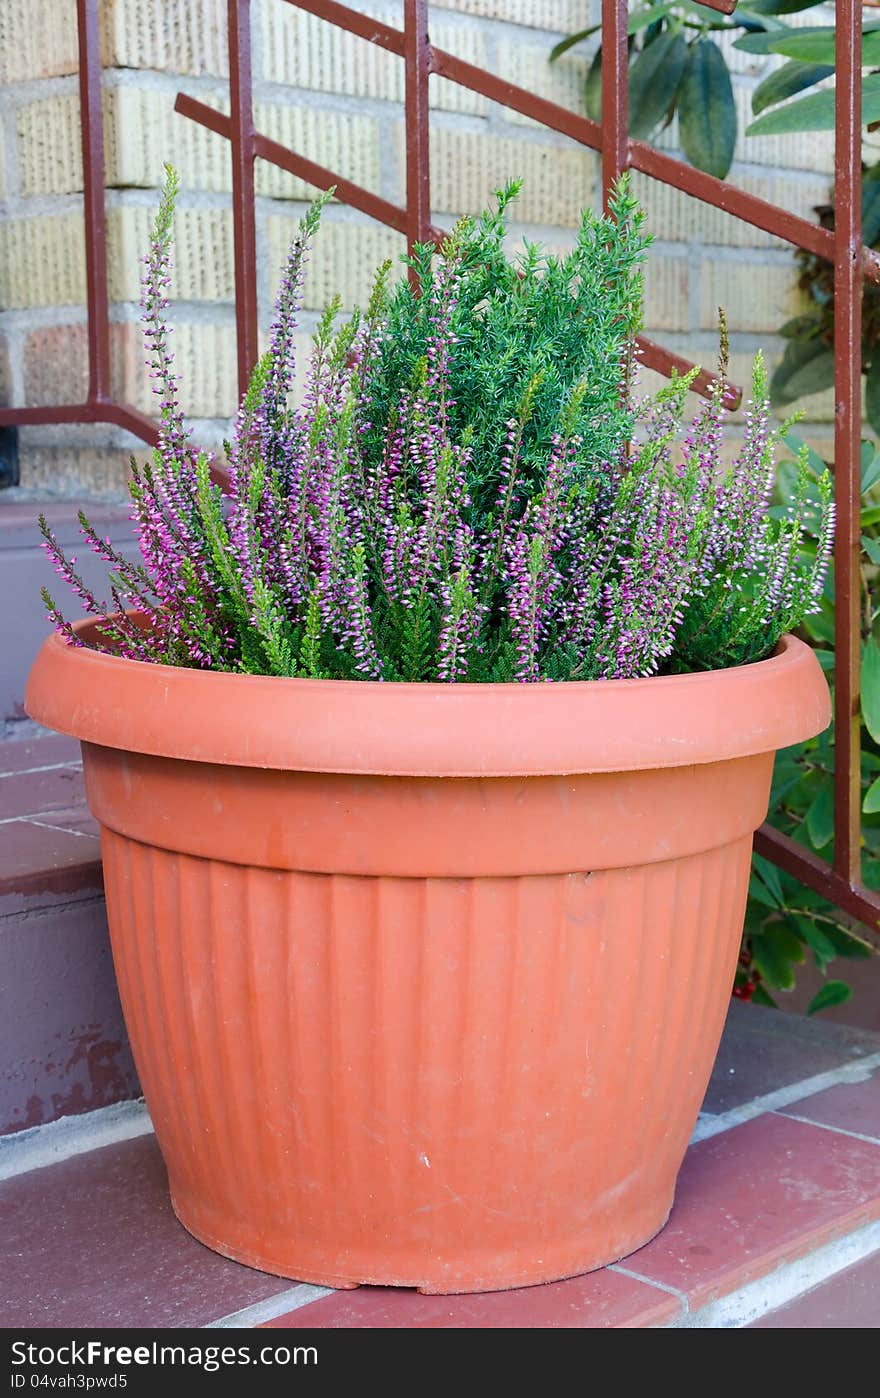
455 1080
442 1031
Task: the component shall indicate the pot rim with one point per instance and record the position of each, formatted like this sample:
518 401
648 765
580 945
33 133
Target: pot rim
366 727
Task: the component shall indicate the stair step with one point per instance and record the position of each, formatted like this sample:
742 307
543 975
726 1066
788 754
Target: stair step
777 1209
63 1047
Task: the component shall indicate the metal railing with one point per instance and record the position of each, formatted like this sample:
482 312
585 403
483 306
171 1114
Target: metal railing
839 881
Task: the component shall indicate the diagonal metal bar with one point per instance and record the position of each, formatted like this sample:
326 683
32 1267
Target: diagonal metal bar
392 215
640 156
852 898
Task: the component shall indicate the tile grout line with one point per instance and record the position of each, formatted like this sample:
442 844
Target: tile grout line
56 1141
52 767
858 1070
826 1126
784 1284
293 1298
62 829
680 1296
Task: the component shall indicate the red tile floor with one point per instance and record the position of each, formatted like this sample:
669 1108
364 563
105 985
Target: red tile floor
776 1221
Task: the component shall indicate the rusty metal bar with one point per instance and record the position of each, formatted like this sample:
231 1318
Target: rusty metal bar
99 405
615 95
417 60
392 215
244 226
92 131
847 437
739 204
859 902
640 156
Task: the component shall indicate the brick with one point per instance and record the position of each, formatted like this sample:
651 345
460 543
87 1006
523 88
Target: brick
755 295
40 858
561 16
203 252
806 150
674 217
93 1241
5 373
305 52
39 753
42 262
56 368
849 1106
344 259
527 65
667 281
90 471
38 39
763 1050
174 36
601 1300
205 360
142 129
49 146
848 1301
346 144
468 166
37 795
755 1197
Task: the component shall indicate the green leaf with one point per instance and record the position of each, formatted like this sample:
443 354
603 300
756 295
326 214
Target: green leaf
871 547
820 816
570 40
825 659
848 945
775 952
706 110
820 626
816 112
654 80
593 87
872 393
761 894
797 444
802 326
806 367
649 14
779 7
760 996
870 466
639 19
816 45
871 803
871 688
822 946
757 43
788 80
832 993
871 208
770 876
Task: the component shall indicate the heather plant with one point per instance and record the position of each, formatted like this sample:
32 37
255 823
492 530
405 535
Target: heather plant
469 488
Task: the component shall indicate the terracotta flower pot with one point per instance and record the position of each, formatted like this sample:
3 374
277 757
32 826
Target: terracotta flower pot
425 982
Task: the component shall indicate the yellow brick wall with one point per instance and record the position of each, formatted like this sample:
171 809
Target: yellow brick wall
336 99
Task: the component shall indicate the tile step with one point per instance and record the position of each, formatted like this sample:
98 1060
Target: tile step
777 1218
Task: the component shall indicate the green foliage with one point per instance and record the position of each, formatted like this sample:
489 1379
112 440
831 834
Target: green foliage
786 922
676 66
530 329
